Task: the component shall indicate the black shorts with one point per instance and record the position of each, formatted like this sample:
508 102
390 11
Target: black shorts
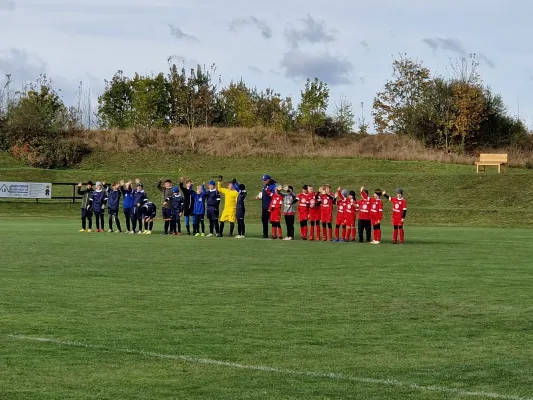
212 213
86 213
150 216
167 213
112 212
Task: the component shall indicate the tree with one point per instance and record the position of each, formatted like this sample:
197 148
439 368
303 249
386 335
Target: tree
238 106
313 105
115 104
344 116
150 102
395 106
362 125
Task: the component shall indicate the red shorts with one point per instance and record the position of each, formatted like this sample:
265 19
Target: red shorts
341 220
327 218
303 216
350 221
397 221
275 216
314 216
374 221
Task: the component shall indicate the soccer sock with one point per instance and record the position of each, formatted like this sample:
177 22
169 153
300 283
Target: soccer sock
221 230
102 221
211 226
151 226
354 233
231 228
134 224
330 233
280 233
324 232
343 231
401 234
178 223
90 223
187 226
202 224
395 234
273 231
217 227
167 225
128 223
378 231
110 221
83 223
173 226
337 232
243 228
145 225
312 233
97 222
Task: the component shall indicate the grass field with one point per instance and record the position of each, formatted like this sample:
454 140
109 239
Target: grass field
104 316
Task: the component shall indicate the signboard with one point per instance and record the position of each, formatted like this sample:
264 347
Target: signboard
25 190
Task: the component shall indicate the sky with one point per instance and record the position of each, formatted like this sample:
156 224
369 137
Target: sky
350 44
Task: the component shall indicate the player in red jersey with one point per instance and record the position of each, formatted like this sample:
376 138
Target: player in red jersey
399 211
314 214
275 213
303 210
376 215
364 223
341 199
350 212
327 200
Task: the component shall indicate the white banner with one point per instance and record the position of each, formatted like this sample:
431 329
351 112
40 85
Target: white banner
26 190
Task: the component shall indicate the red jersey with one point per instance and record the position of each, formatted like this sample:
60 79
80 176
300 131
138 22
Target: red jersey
350 210
275 207
341 206
314 207
399 206
376 209
303 206
364 208
326 204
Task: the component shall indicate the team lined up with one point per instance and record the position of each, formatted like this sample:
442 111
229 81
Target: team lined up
315 210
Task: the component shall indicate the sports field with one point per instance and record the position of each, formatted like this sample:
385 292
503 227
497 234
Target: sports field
111 316
105 316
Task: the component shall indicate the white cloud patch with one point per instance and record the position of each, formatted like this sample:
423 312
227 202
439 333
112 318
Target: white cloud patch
326 67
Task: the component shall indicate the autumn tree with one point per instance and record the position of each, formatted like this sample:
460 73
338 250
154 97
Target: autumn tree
150 102
344 115
238 106
272 110
313 105
115 104
394 108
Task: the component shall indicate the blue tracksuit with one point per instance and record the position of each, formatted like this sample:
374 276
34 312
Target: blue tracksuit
213 204
241 208
138 197
98 200
265 199
127 202
199 202
113 201
176 204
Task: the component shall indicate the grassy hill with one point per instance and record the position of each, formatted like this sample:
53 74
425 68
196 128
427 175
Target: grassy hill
438 194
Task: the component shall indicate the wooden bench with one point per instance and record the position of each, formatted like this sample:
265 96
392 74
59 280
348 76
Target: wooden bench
496 160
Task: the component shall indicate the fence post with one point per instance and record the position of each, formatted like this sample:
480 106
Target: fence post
74 193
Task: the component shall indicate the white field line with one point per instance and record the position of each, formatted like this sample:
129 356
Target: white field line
281 371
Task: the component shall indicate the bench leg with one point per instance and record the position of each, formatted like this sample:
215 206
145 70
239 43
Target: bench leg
499 168
477 169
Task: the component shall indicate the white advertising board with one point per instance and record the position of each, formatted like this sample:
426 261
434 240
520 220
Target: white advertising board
26 190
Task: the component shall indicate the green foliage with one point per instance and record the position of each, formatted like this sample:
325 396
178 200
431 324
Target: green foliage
313 106
150 105
115 104
344 116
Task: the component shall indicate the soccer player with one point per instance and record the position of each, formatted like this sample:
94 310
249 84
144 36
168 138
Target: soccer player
213 207
230 205
113 202
364 223
399 212
138 197
314 213
350 212
376 215
149 213
303 211
327 201
86 211
289 210
127 203
276 204
176 203
188 202
199 210
98 201
241 212
166 192
341 199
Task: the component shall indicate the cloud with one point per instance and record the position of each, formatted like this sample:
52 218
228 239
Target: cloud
7 5
364 43
260 24
251 68
326 67
456 47
21 65
179 34
313 32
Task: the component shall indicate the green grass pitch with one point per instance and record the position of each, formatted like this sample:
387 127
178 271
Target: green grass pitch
103 316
